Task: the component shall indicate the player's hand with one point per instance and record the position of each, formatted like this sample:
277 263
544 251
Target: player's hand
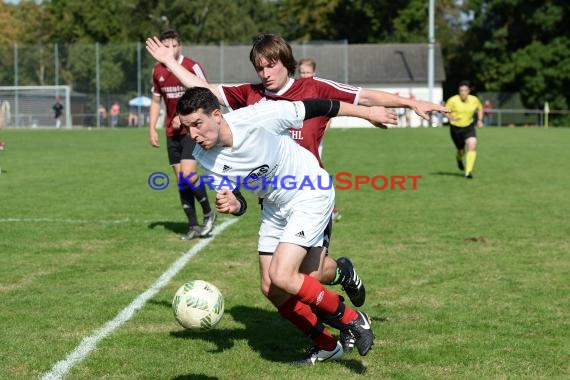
158 51
153 137
422 108
380 116
479 123
226 202
176 122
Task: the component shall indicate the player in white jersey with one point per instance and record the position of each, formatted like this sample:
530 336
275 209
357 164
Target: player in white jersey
273 60
252 149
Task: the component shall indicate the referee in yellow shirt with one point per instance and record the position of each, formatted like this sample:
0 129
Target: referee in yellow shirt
462 126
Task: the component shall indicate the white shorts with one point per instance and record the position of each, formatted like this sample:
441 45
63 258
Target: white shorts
302 221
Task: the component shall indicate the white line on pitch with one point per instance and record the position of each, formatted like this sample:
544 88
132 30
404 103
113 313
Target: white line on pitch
87 345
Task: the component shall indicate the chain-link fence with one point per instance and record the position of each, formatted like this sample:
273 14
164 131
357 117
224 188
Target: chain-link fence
106 77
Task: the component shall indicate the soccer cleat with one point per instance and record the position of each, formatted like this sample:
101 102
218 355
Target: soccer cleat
347 340
469 175
316 355
351 283
209 220
362 332
193 232
336 215
460 165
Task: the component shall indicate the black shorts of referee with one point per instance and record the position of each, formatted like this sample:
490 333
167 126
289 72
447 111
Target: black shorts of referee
460 134
180 148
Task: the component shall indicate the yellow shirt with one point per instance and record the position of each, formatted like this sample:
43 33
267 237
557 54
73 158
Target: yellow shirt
462 111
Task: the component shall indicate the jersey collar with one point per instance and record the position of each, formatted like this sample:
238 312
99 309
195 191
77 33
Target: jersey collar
283 90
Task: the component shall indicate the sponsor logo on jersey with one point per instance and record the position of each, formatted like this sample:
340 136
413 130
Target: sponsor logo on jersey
257 173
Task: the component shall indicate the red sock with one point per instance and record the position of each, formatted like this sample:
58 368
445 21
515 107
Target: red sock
302 317
313 293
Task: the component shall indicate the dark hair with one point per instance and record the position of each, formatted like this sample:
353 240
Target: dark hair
273 48
464 83
169 34
196 98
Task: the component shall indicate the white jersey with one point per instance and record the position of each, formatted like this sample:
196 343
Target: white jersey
264 159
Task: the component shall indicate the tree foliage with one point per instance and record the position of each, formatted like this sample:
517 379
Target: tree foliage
520 46
500 45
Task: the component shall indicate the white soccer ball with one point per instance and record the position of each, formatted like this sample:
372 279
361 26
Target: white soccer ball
198 305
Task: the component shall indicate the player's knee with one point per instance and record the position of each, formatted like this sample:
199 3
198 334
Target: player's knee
190 177
279 279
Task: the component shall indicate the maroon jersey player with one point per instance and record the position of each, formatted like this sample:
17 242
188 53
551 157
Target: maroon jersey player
168 87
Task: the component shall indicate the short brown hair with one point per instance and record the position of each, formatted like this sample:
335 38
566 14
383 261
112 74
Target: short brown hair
273 48
169 34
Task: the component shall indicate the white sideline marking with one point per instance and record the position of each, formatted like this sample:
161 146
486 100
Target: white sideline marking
88 344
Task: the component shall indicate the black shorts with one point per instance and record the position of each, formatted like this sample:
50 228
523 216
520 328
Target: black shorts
180 148
459 135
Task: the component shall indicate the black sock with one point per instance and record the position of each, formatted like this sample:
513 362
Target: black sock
187 199
202 197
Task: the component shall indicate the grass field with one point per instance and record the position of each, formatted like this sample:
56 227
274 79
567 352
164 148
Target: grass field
466 279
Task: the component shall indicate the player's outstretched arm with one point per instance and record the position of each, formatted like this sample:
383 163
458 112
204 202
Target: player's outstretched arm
382 98
165 55
379 116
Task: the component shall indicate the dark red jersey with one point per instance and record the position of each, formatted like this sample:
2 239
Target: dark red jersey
313 130
166 85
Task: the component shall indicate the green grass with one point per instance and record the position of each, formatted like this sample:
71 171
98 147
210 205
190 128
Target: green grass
466 279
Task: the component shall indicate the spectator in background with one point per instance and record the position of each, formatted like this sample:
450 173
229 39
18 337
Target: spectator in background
102 111
133 116
115 112
57 111
462 126
487 113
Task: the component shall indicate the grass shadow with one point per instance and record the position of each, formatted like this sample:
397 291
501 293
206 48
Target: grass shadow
176 227
164 303
195 377
266 333
452 174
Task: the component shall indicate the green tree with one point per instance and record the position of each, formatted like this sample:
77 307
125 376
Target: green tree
215 21
517 46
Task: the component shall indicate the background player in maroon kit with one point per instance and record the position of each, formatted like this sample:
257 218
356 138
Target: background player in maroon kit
179 145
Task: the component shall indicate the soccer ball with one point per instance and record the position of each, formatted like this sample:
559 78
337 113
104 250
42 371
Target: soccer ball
198 305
